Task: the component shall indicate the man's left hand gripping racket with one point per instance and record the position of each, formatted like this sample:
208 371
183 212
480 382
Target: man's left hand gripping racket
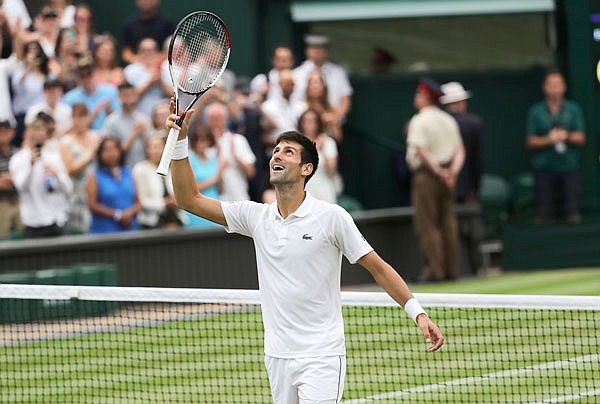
198 54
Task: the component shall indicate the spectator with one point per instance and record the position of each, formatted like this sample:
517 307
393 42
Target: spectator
159 117
78 151
381 61
250 122
339 88
145 76
555 134
148 23
106 70
282 110
66 59
130 126
42 182
16 12
53 106
65 12
100 99
234 151
435 155
323 184
7 67
111 191
317 99
27 83
10 219
206 168
82 23
47 27
6 36
471 129
155 192
267 86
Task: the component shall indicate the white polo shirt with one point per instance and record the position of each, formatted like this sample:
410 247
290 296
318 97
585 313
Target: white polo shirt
299 268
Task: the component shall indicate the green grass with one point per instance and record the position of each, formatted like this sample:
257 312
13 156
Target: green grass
491 355
574 281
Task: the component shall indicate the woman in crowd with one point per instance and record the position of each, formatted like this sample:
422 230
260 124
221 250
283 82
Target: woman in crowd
65 12
27 83
155 192
160 113
106 69
82 22
78 150
317 99
64 65
207 170
111 191
323 184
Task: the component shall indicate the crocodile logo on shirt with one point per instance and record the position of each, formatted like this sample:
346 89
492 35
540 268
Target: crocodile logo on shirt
306 237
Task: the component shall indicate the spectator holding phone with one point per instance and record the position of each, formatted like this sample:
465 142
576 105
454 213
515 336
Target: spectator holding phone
42 182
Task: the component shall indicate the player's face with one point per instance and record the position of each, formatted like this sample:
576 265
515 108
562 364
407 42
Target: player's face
286 163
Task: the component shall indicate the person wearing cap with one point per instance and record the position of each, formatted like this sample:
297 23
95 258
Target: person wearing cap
10 219
555 136
53 106
471 130
381 61
336 78
435 155
100 99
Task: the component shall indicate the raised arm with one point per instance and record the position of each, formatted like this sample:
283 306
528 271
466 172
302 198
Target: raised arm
395 286
184 184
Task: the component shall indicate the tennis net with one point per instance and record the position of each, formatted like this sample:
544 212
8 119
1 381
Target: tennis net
76 344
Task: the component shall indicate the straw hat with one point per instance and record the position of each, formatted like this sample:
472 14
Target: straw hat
453 92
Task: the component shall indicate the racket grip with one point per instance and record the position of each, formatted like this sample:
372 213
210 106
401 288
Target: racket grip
167 154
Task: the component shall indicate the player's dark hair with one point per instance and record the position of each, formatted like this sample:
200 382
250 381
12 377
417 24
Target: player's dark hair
308 154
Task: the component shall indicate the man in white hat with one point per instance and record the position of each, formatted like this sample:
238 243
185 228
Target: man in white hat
471 129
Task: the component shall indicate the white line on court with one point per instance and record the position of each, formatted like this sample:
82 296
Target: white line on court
571 397
476 379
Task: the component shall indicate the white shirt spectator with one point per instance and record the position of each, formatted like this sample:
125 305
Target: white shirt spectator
40 206
234 147
338 84
62 114
7 67
16 10
150 188
284 113
138 75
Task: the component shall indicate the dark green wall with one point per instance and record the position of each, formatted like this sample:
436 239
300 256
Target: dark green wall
382 107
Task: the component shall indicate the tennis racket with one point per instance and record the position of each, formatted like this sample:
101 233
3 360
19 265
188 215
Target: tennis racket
198 54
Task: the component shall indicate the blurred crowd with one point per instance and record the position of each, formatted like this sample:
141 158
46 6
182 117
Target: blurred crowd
82 126
82 129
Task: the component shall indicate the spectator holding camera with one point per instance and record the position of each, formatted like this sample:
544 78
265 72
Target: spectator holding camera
42 182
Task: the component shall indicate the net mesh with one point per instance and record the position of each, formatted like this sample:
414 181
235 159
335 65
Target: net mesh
199 52
95 344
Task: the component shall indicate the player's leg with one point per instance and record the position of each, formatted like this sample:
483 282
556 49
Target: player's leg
321 380
281 380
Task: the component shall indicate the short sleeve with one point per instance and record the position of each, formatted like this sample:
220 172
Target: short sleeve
242 216
348 238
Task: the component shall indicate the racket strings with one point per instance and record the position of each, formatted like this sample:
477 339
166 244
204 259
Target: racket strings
199 53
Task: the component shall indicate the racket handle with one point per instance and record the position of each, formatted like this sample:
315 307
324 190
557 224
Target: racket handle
167 154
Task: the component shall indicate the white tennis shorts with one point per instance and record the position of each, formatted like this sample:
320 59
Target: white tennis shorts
306 380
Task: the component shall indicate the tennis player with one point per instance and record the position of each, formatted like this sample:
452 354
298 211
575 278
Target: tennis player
299 243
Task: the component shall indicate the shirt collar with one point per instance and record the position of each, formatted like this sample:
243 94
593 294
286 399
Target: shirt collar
303 210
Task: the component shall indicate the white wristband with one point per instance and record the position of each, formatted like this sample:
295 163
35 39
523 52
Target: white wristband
413 309
180 151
